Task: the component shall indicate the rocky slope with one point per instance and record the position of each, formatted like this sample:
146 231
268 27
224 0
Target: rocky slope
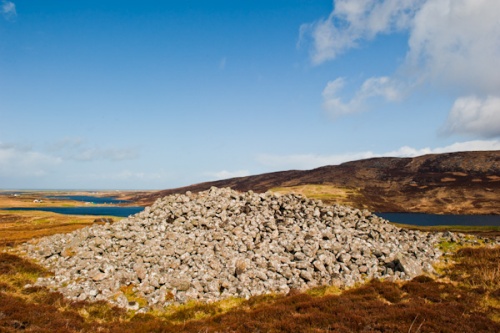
453 183
222 243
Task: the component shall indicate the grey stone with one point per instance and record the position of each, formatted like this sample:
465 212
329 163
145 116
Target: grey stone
306 275
221 243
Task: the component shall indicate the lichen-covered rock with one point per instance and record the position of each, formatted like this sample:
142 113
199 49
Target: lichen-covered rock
222 243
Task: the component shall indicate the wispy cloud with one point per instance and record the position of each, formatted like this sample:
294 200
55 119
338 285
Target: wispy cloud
474 116
224 174
353 21
118 179
452 45
310 161
54 165
127 175
384 87
8 10
77 149
18 161
455 44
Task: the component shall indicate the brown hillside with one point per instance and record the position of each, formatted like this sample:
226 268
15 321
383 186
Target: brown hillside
452 183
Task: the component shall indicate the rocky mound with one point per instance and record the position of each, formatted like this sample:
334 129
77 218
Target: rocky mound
222 243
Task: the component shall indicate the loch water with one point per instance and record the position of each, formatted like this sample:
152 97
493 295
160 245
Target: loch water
98 211
404 218
421 219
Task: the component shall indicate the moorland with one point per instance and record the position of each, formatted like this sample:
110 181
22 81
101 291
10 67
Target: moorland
462 296
451 183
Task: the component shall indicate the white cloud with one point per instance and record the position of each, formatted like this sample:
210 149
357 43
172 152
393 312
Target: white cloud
474 116
475 145
332 102
117 179
77 149
126 175
18 161
224 174
111 154
452 45
353 21
310 161
385 87
8 10
457 44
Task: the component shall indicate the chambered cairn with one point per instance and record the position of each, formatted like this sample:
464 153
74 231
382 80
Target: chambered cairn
221 243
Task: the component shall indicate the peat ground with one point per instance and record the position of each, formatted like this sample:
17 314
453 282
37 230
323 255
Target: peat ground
463 297
466 298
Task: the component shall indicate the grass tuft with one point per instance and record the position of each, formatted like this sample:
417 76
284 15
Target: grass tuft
468 303
478 268
465 298
131 295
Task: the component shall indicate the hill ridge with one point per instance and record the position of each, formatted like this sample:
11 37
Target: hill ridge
448 183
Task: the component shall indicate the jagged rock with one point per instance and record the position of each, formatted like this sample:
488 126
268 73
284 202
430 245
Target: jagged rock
180 284
221 243
408 265
97 276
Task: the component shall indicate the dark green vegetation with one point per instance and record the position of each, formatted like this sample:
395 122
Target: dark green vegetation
466 298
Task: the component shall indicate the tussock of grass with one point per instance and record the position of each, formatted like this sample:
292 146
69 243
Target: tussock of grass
478 268
448 247
469 304
192 311
326 193
465 299
36 309
324 291
131 295
16 272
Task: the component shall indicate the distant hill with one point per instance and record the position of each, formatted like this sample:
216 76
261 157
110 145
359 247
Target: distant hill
452 183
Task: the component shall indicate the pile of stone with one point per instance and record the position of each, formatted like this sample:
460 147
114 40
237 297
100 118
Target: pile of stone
222 243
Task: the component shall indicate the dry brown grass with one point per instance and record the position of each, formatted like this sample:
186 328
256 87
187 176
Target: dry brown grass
21 226
326 193
465 299
26 200
464 304
478 268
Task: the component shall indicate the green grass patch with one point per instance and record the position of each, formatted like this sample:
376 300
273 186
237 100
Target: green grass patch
447 246
452 228
324 291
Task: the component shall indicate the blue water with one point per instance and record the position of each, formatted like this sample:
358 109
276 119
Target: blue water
433 219
88 198
405 218
101 211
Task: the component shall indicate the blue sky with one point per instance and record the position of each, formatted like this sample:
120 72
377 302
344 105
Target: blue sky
161 94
